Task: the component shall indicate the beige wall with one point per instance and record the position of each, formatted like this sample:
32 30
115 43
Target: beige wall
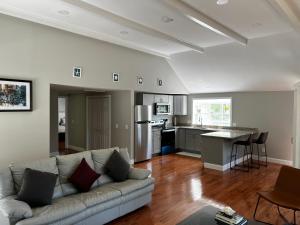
77 121
267 111
122 105
46 55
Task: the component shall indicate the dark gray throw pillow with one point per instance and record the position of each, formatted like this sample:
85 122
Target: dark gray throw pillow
37 188
117 167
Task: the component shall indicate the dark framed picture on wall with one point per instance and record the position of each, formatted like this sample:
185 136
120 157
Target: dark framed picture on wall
15 95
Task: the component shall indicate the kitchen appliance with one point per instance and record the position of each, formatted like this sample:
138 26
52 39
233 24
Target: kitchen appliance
162 109
143 133
167 141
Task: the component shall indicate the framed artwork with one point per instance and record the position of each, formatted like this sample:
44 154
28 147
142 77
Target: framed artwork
77 72
159 82
15 95
116 77
140 80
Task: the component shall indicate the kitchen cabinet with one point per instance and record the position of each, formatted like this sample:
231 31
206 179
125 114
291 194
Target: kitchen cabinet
148 99
180 138
189 139
161 99
180 105
156 140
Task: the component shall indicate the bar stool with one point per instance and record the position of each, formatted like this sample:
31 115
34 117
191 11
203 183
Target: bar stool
261 140
247 143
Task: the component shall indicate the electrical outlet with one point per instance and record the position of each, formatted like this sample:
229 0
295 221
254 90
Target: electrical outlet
263 149
126 127
117 126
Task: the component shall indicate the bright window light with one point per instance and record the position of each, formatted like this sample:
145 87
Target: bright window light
214 111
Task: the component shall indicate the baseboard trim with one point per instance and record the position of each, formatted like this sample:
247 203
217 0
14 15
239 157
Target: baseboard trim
227 166
76 148
221 167
274 160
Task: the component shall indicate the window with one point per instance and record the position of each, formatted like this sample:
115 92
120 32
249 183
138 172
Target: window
215 111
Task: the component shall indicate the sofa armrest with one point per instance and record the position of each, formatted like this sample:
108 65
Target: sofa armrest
138 174
12 211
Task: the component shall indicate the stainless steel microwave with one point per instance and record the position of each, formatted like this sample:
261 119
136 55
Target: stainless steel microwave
162 109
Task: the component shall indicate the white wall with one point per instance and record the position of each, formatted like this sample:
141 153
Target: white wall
267 111
46 55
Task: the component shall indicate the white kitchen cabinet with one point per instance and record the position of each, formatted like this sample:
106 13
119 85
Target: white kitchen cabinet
161 99
148 99
180 105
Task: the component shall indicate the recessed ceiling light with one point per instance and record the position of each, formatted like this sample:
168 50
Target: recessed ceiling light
222 2
167 19
124 32
64 12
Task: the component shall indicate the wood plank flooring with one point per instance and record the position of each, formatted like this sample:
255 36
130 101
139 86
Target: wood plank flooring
182 186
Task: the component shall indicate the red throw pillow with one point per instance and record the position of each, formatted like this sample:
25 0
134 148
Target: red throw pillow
83 177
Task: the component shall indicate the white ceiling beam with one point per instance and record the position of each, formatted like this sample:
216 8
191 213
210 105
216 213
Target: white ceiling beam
286 9
205 21
132 24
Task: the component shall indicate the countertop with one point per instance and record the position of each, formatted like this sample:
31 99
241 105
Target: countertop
228 134
225 133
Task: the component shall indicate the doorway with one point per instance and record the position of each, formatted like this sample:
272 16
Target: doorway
98 122
62 124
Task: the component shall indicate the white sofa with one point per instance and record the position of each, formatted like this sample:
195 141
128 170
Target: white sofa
106 200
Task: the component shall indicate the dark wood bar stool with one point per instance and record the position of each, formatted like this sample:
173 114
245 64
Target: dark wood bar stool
247 143
261 140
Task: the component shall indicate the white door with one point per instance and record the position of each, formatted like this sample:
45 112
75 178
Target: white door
98 122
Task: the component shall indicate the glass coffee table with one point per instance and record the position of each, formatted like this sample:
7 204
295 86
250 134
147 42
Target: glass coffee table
206 216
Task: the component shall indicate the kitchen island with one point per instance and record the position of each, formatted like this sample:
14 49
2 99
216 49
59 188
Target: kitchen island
214 144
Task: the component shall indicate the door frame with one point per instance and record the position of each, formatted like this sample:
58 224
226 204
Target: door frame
87 116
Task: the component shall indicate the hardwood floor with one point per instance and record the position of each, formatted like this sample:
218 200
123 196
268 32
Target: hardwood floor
182 186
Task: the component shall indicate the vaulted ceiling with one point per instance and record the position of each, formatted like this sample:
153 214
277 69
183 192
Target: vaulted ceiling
244 45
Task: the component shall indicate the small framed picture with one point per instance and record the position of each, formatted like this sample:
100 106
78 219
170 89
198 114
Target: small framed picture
77 72
15 95
139 80
159 82
116 77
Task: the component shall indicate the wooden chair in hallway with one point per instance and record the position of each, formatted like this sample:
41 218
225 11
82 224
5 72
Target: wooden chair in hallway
286 192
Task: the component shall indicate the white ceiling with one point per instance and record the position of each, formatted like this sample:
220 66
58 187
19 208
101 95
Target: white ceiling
268 62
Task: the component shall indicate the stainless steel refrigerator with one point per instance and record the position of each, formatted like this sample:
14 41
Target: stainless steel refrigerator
143 133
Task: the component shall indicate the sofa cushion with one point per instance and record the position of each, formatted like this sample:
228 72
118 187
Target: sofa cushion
6 183
60 209
37 187
100 158
99 195
15 210
84 177
45 165
117 167
67 164
138 174
130 185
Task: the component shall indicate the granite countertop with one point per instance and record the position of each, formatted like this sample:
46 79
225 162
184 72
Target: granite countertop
197 128
228 134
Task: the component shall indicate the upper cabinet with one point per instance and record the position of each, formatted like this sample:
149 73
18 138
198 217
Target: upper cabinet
180 105
161 99
148 99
